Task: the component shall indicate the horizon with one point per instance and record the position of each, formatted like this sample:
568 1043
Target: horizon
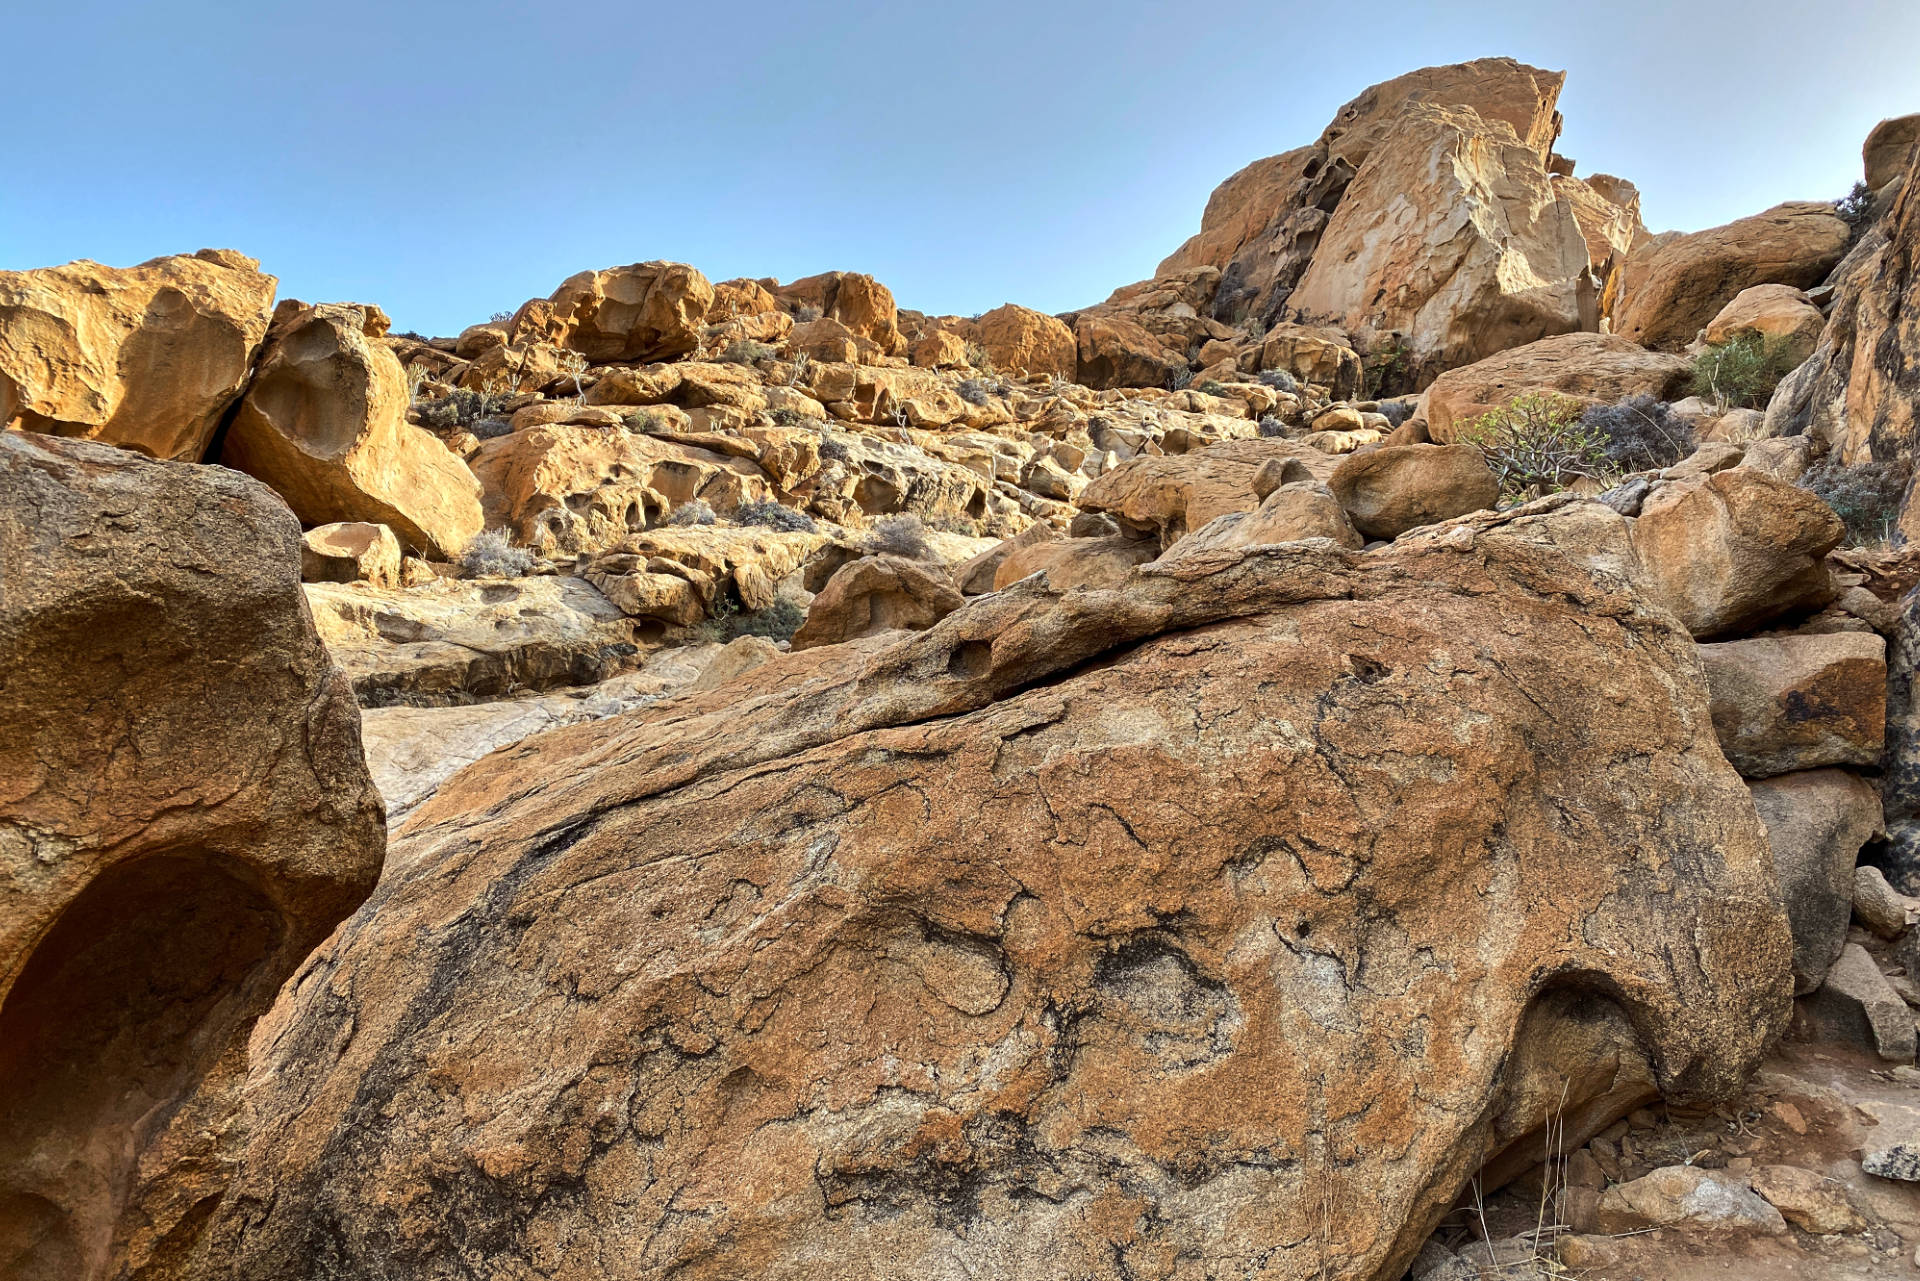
365 188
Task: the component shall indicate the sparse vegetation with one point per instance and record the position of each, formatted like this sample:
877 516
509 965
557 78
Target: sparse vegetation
1280 380
778 622
1856 208
1212 387
1538 444
491 555
500 318
745 351
1271 426
771 515
643 420
1866 496
573 365
488 428
1640 433
805 315
975 391
1179 378
899 536
834 449
1385 370
784 417
696 512
978 358
1741 373
462 407
801 364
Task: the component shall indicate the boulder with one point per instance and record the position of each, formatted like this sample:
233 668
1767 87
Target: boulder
1019 340
861 304
940 350
1071 564
1816 823
1889 149
643 311
975 577
1451 238
1304 509
1240 909
1880 907
1607 211
1317 354
1857 1006
1686 1196
1777 313
1673 285
184 816
324 422
680 575
1809 1201
1730 551
149 357
876 594
1116 351
1395 488
1784 703
1163 497
350 552
1591 368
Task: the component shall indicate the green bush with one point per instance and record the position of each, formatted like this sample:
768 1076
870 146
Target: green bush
1866 497
1179 378
1742 373
1212 387
1538 444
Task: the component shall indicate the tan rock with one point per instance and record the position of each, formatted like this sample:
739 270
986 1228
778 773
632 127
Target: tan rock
350 552
1889 149
680 575
1591 368
975 576
1688 1196
1314 354
640 312
147 357
1806 1200
184 816
1857 1006
1165 497
876 594
1021 341
1607 210
1880 907
1393 489
1777 313
324 423
1077 563
1301 510
857 301
1817 821
1672 286
1783 703
1733 550
1115 351
940 350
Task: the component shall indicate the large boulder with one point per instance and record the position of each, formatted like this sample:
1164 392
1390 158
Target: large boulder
1816 823
1301 509
1237 913
643 311
1889 149
876 594
1784 703
147 357
1389 490
682 574
1673 285
1590 368
1165 496
184 815
1073 563
853 299
1452 238
1020 340
1117 351
324 423
1735 549
1777 313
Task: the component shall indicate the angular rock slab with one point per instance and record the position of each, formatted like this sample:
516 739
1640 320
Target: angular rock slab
1816 822
1786 703
184 813
1183 926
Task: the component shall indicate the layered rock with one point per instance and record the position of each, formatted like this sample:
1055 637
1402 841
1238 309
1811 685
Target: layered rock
184 814
1889 149
643 311
147 357
324 423
969 950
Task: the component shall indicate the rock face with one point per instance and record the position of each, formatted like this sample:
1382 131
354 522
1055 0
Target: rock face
145 357
1816 823
1165 497
1783 703
1019 339
1593 368
1390 490
1671 287
184 814
324 423
1076 935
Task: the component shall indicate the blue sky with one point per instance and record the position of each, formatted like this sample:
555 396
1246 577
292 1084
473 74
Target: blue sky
450 160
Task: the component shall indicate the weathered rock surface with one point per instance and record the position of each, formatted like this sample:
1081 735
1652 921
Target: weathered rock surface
350 552
876 594
1777 313
184 814
1672 286
1391 490
682 575
1165 497
1592 368
1302 509
643 311
1073 563
1783 703
1021 340
1889 149
1857 1005
145 357
968 951
1705 1200
1816 822
324 422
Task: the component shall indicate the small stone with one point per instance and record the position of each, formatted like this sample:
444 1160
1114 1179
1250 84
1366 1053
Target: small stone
1807 1201
1686 1194
1789 1115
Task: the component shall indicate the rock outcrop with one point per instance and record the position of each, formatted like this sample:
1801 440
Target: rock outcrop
643 311
184 815
1078 934
1591 368
147 357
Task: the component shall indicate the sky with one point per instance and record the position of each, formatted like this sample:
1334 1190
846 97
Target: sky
451 160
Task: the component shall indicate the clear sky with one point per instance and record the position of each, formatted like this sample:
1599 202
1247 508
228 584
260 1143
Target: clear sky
449 160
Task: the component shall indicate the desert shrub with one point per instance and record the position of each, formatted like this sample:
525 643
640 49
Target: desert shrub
834 449
778 622
785 417
899 536
488 428
975 391
977 357
805 315
461 407
1384 371
1256 329
1866 496
1271 426
745 351
1640 433
643 420
696 512
1538 444
1212 387
1179 378
490 555
1396 411
769 515
1280 380
1742 372
1856 207
499 318
951 524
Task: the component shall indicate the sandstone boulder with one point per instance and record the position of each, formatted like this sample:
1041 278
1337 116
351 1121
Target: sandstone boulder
1592 368
1735 549
184 815
1777 313
1671 287
876 594
855 300
324 424
681 575
1816 823
1020 340
1303 509
1314 354
1080 933
1077 563
350 552
976 575
1116 351
640 312
1163 497
1889 149
1783 703
1393 489
147 357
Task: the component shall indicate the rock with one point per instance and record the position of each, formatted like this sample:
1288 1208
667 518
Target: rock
975 577
1880 907
857 301
1816 823
184 816
1607 210
1287 514
1022 341
1115 351
1783 458
1451 238
1076 564
1393 489
148 357
1711 456
877 594
736 658
1276 472
350 552
643 311
1736 549
859 964
1688 1196
324 423
1163 497
1314 354
940 350
681 575
1893 1148
1783 703
455 641
1590 368
1673 285
1889 149
1339 418
1806 1200
1857 1006
1778 313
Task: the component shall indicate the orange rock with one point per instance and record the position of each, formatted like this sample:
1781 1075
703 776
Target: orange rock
1591 368
643 311
1021 341
876 594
